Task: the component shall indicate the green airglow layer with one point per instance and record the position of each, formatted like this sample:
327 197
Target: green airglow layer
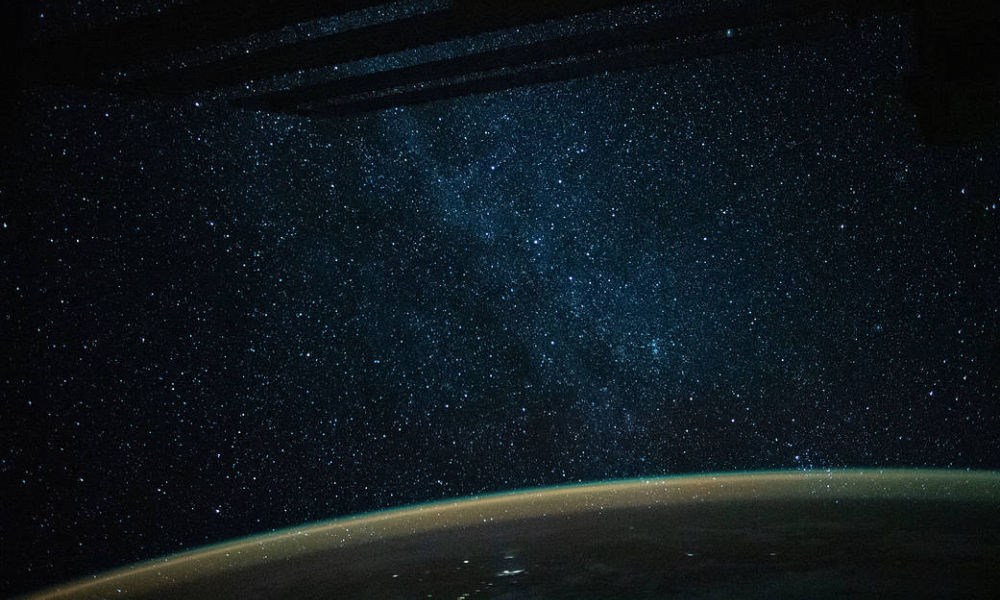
601 496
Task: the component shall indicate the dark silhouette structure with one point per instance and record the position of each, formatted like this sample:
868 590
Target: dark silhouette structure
954 88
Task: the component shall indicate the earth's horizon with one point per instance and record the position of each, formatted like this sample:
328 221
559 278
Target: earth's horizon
884 532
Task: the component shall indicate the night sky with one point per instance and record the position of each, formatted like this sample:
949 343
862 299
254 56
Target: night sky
223 322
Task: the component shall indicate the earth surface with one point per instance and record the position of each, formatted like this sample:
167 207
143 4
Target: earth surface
812 534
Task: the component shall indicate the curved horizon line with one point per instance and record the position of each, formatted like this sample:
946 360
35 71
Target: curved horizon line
609 494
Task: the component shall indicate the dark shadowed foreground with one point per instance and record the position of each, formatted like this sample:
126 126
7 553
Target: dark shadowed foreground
818 534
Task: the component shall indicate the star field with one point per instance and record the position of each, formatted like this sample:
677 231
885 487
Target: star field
223 322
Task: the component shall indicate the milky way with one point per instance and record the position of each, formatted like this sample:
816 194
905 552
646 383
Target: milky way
228 322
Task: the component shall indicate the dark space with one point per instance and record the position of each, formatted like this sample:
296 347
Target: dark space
236 301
